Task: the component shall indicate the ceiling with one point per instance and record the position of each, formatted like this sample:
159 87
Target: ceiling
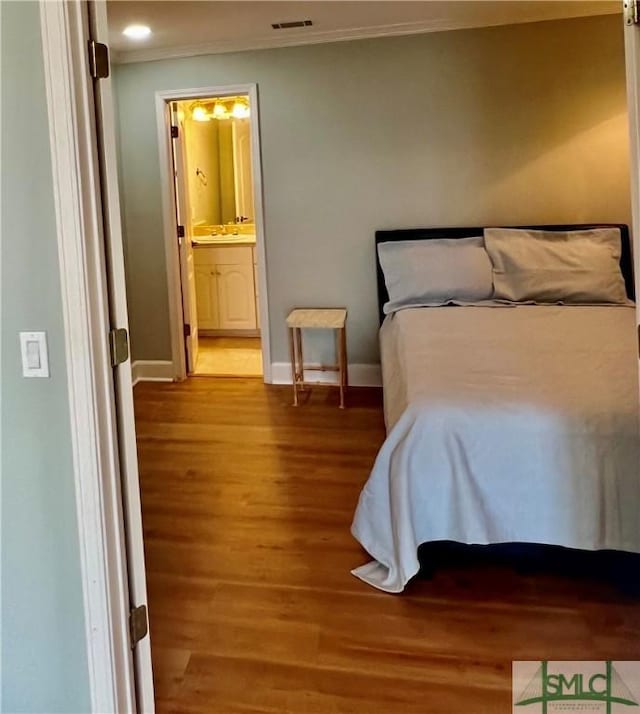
184 28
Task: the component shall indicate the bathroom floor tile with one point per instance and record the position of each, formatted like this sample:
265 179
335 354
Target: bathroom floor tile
229 356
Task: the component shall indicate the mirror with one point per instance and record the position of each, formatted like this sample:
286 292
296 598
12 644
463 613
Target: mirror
218 152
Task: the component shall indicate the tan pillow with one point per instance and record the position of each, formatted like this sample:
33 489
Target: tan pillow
435 271
556 266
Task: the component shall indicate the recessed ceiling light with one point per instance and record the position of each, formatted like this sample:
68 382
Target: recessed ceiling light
137 32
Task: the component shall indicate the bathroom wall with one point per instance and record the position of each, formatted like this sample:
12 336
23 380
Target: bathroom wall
496 125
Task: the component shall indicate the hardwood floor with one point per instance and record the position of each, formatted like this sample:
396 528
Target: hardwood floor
247 504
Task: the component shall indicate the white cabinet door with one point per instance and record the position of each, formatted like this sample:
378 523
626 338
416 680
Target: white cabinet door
207 297
236 297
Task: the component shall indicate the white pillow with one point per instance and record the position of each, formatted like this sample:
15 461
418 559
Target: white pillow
435 272
580 266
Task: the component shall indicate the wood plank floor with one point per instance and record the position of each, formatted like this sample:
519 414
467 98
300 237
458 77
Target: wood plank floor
247 504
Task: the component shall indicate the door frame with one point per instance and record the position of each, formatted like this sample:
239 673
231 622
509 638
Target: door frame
632 68
85 305
174 280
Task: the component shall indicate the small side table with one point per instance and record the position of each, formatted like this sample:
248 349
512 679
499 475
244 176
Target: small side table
323 319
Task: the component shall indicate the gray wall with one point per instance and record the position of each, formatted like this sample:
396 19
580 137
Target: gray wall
499 125
44 665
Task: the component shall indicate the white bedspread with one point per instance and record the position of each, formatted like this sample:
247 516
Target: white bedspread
505 424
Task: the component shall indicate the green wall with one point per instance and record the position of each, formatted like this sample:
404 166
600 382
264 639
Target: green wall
498 125
44 667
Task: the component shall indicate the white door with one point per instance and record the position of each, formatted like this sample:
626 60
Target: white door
236 297
132 512
632 54
256 286
184 238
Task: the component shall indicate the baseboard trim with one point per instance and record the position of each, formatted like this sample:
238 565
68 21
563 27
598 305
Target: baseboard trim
360 375
150 370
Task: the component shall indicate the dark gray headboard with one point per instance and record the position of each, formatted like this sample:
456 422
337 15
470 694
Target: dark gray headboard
626 263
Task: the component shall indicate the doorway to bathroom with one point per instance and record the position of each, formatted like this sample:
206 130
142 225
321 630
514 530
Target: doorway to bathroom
215 232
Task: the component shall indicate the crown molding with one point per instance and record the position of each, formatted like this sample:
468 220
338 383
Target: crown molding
270 42
306 37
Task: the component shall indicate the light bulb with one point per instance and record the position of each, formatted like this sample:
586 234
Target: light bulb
240 110
199 113
220 111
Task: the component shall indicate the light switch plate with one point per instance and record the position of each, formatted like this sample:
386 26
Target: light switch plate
35 357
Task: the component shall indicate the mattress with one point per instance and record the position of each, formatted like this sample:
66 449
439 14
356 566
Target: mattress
505 424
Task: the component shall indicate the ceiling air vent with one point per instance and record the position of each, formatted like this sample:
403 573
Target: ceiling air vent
291 25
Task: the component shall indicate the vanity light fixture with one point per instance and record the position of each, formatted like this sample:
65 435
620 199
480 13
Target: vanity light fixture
137 32
221 108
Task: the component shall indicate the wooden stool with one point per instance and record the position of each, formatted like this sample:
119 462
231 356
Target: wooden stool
319 319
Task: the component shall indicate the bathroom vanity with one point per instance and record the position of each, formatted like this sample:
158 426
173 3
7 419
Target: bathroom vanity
226 284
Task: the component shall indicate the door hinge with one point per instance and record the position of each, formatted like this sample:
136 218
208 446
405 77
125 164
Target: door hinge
98 60
174 132
118 346
187 329
631 10
138 624
180 231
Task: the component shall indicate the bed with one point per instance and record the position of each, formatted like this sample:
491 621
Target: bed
505 424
